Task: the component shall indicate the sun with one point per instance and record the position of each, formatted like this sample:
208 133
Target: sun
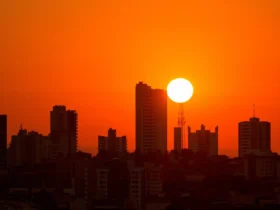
180 90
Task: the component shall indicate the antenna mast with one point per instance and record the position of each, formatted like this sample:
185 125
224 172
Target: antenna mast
181 123
254 110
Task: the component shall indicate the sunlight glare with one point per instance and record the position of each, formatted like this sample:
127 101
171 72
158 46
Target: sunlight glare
180 90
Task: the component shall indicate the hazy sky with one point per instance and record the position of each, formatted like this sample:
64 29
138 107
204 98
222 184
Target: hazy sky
90 54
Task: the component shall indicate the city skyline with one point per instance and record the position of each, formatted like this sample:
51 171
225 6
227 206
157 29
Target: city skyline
41 170
140 105
89 57
63 130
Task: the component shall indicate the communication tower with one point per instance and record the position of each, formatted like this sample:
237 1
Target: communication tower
181 123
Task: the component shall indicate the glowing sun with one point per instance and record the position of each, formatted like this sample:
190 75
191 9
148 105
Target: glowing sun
180 90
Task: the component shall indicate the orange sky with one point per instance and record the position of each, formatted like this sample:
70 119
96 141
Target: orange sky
89 55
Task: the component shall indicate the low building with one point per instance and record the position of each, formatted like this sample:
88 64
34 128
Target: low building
137 187
102 183
112 143
27 148
153 179
177 139
203 141
258 167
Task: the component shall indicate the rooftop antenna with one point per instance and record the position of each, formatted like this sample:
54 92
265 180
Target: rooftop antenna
254 110
20 127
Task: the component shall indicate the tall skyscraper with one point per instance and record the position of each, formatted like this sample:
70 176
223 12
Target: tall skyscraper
3 141
253 137
64 129
151 119
203 141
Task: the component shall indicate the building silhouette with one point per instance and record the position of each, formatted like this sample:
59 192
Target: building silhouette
253 137
177 139
203 141
150 181
151 119
137 187
145 183
31 148
102 183
64 130
27 148
112 143
3 141
153 178
260 166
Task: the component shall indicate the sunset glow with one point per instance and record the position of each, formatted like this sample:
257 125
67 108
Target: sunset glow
88 55
180 90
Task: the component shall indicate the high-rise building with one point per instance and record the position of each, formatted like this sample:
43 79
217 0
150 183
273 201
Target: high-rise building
112 143
177 139
203 141
3 141
253 137
64 129
151 119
